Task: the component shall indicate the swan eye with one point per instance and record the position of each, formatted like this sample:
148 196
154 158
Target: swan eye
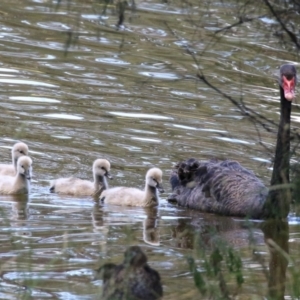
103 168
155 181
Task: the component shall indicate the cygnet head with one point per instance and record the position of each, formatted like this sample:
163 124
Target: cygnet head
101 167
154 179
18 150
24 167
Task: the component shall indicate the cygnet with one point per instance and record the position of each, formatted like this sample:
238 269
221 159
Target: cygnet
20 183
18 150
135 197
79 187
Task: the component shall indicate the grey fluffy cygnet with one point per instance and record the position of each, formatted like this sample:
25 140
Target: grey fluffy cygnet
136 197
78 187
20 183
18 150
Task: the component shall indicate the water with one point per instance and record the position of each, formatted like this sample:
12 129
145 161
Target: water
130 96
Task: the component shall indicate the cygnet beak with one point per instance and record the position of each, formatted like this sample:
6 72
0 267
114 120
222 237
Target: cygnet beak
28 175
108 175
160 188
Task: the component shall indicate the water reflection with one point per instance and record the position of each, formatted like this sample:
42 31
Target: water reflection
19 208
139 115
99 226
276 235
29 82
146 220
15 213
191 230
151 227
34 99
212 236
206 230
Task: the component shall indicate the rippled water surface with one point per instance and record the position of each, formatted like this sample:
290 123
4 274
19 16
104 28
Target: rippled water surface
129 95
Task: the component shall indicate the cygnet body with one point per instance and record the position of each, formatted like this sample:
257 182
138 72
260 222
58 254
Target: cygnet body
78 187
20 183
135 197
18 150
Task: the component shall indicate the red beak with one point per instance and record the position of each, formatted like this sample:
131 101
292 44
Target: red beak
288 86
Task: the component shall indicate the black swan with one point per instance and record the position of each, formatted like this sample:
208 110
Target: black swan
225 187
133 279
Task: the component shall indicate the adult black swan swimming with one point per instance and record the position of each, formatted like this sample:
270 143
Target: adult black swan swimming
225 187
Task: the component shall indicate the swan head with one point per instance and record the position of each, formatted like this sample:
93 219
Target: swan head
154 178
18 150
24 167
288 80
135 257
101 167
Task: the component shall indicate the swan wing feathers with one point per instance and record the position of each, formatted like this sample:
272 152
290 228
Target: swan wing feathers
223 187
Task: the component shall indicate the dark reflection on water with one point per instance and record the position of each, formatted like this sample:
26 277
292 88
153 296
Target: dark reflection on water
276 236
236 232
130 96
69 240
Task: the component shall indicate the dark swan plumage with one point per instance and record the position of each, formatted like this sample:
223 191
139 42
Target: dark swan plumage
227 188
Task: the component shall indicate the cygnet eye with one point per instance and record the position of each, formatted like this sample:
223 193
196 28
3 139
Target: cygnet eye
103 168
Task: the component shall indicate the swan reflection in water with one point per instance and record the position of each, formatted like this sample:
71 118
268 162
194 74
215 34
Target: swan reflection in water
16 212
104 216
209 232
151 227
214 234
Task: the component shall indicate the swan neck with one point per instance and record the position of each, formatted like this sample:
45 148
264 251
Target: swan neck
100 181
14 161
278 202
151 196
281 166
21 181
